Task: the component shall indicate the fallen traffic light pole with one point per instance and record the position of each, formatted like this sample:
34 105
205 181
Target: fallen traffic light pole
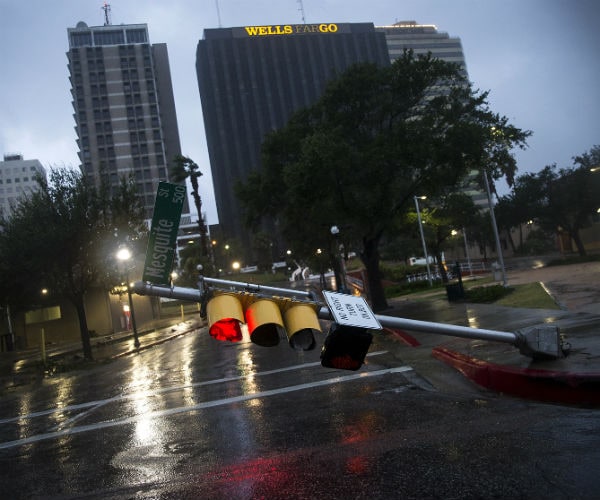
224 303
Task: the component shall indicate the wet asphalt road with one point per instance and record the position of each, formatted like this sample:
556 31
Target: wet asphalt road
195 418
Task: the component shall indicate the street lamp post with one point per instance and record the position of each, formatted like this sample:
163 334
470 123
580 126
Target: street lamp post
124 255
417 198
341 285
495 227
464 231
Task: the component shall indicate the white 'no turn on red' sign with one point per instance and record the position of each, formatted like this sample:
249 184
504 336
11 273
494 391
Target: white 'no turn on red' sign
351 310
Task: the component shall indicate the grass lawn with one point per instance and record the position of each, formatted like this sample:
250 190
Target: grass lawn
530 295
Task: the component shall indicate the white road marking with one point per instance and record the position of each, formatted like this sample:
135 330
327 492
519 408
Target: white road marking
121 397
200 406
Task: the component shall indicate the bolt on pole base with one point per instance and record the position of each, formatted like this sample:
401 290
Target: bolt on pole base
541 342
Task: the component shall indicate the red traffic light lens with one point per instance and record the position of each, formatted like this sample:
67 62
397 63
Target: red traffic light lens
344 362
345 347
226 329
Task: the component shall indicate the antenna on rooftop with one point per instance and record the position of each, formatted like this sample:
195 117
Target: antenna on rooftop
218 13
106 9
301 9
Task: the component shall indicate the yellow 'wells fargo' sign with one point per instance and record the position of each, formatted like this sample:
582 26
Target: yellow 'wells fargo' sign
292 29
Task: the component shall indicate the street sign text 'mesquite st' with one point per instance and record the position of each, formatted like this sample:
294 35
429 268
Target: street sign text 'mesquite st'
163 233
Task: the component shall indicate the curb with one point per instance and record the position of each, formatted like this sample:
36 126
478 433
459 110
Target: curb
404 337
533 384
143 347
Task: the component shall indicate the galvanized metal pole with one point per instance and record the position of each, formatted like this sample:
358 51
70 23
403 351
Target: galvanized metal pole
495 227
464 231
439 328
537 341
423 241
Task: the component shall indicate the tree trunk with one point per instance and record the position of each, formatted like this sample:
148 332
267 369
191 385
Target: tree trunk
83 327
334 261
370 258
440 266
201 225
578 243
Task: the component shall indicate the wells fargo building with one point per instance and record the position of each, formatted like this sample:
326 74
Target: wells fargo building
252 79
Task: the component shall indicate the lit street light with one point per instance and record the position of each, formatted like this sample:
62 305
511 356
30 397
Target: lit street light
124 255
417 198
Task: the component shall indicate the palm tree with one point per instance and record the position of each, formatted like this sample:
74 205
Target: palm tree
184 167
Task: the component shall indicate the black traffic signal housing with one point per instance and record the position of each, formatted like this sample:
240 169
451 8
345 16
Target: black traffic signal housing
345 347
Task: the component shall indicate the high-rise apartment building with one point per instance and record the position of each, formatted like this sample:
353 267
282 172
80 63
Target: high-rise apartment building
124 108
253 78
17 179
423 39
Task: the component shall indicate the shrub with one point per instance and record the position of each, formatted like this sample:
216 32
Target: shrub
406 288
487 294
393 272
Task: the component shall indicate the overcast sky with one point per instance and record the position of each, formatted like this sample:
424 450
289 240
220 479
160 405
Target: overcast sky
540 59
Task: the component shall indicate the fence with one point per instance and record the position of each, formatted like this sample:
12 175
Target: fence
466 269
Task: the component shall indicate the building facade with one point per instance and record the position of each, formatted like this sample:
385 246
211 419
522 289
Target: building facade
17 179
423 39
124 108
252 79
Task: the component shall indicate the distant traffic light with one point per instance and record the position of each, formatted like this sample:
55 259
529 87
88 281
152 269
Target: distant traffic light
345 347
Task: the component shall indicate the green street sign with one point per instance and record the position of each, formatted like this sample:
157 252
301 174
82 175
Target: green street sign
163 233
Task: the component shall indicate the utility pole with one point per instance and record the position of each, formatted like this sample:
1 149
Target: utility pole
417 198
495 227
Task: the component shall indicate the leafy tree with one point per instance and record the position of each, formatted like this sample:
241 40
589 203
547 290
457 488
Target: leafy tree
564 198
262 244
519 207
182 169
568 199
447 214
63 237
377 137
481 232
191 257
590 159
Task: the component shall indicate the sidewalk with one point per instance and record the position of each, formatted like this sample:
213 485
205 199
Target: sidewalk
25 366
500 367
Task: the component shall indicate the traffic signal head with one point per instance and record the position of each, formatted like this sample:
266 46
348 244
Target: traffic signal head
264 322
225 317
345 347
301 323
226 311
